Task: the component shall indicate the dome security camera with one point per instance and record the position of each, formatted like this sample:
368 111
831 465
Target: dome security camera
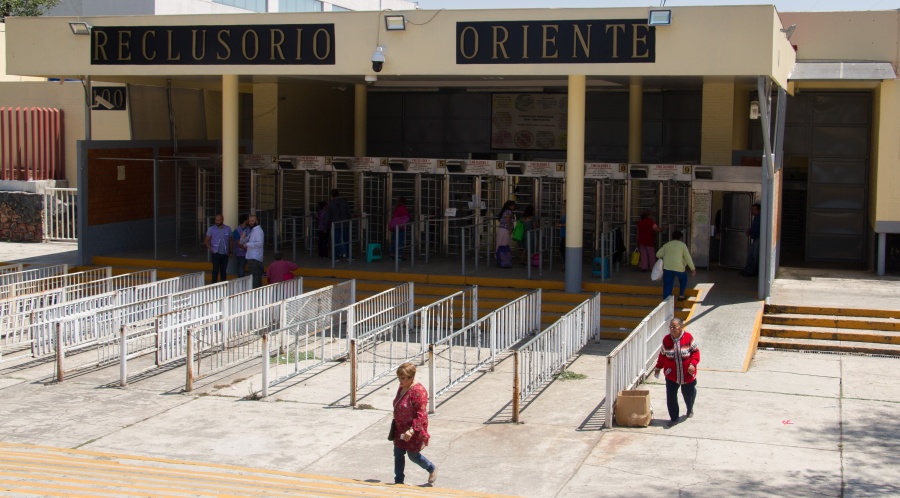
378 59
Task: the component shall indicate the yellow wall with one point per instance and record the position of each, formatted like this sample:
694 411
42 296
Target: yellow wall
716 128
851 36
716 41
885 178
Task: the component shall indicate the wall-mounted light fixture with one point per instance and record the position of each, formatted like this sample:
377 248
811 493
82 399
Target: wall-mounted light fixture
659 17
80 28
754 109
395 22
789 31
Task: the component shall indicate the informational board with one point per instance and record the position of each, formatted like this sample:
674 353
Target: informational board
678 172
312 163
423 165
606 170
255 161
483 167
367 163
529 121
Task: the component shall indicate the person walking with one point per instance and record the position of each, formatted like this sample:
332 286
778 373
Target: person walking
218 243
676 258
751 269
646 235
397 227
254 248
238 237
678 360
410 424
507 220
322 229
339 211
280 270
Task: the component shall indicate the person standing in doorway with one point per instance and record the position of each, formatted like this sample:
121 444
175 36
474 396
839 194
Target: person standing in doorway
218 243
751 269
339 211
254 248
676 259
646 240
410 424
238 237
280 270
678 360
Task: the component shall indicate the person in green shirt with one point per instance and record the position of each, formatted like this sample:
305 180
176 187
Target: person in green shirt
676 259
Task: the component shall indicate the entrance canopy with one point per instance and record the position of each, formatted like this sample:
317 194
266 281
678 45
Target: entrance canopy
480 48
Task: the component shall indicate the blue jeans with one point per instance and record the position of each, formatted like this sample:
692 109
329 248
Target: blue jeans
241 262
688 392
752 266
398 242
669 282
220 264
400 463
342 241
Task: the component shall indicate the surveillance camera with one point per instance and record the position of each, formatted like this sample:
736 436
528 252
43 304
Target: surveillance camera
378 59
98 100
371 79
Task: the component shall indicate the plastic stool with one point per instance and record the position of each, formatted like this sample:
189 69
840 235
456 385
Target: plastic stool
373 252
600 267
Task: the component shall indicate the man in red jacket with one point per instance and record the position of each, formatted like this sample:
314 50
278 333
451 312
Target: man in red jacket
678 360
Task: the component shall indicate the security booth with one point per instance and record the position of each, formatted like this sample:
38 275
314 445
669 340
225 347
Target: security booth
721 198
605 202
665 191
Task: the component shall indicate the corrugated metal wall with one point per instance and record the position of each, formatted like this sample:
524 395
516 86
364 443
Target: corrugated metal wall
31 144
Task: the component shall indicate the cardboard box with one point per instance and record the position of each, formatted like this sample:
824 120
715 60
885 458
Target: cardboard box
633 408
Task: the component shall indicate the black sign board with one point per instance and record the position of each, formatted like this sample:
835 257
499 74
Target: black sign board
590 41
279 44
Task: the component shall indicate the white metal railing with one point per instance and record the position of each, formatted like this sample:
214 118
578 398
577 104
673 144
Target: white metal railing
53 282
314 304
628 364
378 352
10 268
607 250
384 307
454 358
232 340
60 214
7 278
409 241
539 242
348 232
42 328
191 281
263 296
537 361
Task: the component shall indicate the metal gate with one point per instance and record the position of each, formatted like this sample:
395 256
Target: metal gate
376 206
462 189
431 206
669 202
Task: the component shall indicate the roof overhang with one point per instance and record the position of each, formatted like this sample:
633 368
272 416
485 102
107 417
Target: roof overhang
838 70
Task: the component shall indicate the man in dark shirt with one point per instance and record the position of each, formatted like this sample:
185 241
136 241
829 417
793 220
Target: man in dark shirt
751 269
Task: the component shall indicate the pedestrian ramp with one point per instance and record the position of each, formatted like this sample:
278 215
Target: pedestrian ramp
47 471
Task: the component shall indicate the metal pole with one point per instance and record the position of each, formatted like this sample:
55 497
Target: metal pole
431 374
123 357
60 354
515 400
189 363
353 373
265 365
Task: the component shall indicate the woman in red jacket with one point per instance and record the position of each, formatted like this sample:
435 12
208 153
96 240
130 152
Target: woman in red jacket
411 424
678 360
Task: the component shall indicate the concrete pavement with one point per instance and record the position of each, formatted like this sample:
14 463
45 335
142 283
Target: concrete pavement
793 425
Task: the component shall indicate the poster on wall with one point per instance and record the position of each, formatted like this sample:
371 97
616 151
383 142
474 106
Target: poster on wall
529 121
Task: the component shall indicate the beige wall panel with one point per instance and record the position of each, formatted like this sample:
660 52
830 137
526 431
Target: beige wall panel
109 125
701 41
316 119
716 129
885 178
265 118
68 97
213 101
854 36
3 75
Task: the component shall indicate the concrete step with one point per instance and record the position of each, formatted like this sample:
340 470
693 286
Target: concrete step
838 322
830 334
826 345
817 310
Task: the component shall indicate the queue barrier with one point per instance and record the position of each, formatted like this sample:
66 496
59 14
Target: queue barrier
16 273
537 361
630 362
11 268
15 289
455 358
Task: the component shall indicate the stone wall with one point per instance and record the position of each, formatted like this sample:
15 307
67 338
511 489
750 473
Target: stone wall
21 217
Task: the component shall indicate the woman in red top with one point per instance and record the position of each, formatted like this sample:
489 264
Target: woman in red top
411 424
678 360
646 240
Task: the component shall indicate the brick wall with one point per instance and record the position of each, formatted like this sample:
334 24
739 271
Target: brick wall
717 124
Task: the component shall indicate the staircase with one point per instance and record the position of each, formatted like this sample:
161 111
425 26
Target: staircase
831 329
622 306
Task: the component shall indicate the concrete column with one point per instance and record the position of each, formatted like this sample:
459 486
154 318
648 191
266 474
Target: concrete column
230 138
635 121
882 253
360 116
575 183
740 127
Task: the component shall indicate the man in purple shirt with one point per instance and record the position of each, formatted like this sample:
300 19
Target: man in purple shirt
218 243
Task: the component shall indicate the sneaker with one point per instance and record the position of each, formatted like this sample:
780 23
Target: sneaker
671 423
690 414
432 477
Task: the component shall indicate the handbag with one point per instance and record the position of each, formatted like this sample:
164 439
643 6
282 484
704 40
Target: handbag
519 231
635 258
657 271
393 432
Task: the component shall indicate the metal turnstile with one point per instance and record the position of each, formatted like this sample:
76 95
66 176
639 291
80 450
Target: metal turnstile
670 203
461 190
377 205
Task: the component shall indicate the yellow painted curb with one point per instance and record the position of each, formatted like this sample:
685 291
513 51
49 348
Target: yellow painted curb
754 341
